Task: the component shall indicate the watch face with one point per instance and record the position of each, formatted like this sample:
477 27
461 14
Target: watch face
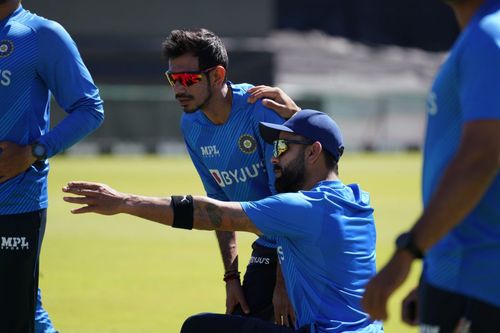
39 151
402 241
405 242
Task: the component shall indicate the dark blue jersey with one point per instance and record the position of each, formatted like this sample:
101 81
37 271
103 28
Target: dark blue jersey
37 58
467 88
232 159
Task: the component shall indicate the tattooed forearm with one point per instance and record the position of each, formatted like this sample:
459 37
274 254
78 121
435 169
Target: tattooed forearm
214 215
210 214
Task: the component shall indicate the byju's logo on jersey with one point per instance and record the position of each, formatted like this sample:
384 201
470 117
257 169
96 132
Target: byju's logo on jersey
209 151
247 143
241 175
6 48
14 243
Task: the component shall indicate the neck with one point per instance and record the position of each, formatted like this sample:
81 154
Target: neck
319 177
8 8
219 107
465 10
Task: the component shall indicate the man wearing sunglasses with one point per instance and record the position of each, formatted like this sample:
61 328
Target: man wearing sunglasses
37 59
220 128
324 229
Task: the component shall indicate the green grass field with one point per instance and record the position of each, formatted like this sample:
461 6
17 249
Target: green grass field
122 274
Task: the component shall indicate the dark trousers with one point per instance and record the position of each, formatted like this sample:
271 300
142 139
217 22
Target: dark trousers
219 323
258 283
20 237
446 312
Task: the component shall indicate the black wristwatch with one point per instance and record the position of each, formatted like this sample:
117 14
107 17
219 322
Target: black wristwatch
39 151
405 242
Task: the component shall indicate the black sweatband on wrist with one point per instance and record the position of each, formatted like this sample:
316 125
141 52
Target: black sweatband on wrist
183 211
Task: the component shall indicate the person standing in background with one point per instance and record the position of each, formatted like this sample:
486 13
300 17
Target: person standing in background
37 58
458 233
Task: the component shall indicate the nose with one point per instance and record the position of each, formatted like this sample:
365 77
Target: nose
178 88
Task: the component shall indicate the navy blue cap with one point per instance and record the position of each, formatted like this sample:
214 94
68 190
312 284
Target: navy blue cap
311 124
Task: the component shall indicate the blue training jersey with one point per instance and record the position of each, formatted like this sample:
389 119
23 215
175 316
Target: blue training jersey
37 57
466 89
233 161
326 247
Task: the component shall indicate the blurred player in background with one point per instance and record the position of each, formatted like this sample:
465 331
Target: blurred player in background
324 229
37 57
220 128
458 232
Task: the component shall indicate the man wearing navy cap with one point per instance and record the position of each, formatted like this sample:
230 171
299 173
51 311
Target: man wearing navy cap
324 229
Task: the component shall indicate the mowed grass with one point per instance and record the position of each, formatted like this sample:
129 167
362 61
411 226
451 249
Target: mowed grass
123 274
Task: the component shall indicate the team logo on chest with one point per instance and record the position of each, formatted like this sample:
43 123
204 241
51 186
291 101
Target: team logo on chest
247 143
6 48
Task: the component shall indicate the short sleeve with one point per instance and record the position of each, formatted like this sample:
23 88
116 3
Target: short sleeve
290 215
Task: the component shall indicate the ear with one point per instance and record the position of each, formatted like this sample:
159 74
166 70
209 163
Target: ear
218 74
313 152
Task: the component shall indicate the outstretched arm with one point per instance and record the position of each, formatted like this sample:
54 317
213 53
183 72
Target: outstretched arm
208 214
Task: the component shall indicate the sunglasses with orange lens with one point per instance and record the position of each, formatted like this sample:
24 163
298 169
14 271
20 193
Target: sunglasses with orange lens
187 79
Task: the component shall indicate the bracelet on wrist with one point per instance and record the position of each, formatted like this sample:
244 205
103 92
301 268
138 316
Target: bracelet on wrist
231 275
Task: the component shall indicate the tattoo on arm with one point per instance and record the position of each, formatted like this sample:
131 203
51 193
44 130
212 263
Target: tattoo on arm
210 214
214 215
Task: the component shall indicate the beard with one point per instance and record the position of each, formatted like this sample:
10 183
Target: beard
292 177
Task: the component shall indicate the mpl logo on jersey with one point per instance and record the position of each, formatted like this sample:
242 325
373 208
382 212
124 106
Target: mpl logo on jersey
241 175
209 151
14 243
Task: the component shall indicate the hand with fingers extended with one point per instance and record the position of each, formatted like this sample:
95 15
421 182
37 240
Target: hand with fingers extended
235 296
383 285
275 99
14 159
97 198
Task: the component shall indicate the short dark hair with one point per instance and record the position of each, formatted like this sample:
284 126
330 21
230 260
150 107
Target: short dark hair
201 43
331 162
